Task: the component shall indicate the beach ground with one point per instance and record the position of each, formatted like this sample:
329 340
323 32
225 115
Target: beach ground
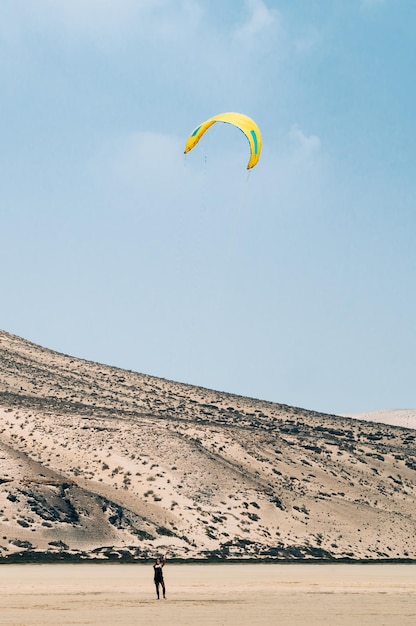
209 594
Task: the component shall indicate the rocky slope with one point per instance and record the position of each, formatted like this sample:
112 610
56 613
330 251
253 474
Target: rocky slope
99 462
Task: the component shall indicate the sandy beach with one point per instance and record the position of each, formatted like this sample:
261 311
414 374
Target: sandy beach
226 594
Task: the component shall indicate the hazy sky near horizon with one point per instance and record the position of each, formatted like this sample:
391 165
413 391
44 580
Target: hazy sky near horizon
294 283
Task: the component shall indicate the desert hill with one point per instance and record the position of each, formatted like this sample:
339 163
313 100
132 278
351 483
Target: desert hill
99 462
395 417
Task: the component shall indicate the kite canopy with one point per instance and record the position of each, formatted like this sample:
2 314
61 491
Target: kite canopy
241 121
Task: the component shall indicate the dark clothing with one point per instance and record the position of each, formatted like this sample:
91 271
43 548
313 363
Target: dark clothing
158 573
157 568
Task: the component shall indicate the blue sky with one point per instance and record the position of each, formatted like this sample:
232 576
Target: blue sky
293 283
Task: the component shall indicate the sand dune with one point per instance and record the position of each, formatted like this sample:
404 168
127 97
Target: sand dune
395 417
99 462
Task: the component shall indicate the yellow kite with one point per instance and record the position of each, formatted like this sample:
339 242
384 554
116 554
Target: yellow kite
243 122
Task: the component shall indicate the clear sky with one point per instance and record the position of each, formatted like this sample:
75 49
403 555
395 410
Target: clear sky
294 283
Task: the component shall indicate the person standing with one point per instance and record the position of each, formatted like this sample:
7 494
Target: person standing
158 576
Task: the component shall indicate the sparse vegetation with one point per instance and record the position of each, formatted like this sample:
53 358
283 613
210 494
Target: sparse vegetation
230 467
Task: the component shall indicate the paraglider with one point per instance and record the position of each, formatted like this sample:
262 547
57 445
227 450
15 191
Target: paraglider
241 121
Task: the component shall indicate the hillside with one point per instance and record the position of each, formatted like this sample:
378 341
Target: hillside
395 417
99 462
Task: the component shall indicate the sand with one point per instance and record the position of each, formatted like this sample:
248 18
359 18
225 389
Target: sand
97 461
406 418
226 594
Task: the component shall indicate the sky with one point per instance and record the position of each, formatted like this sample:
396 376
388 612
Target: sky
293 282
